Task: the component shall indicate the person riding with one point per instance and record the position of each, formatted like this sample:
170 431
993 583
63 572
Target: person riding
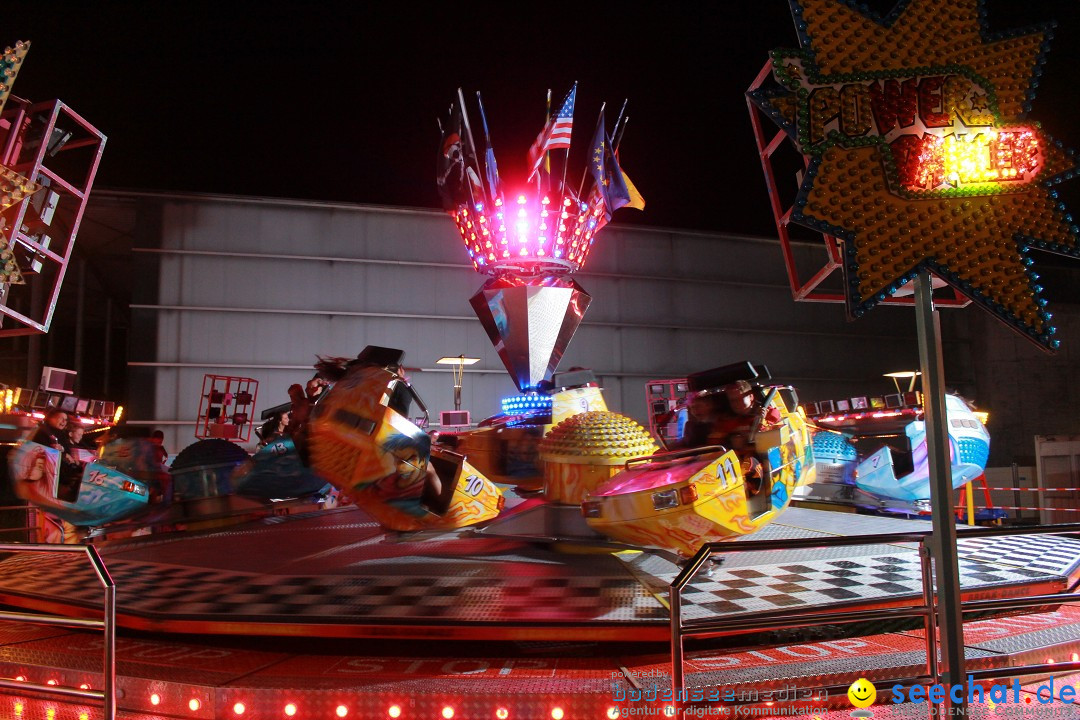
729 416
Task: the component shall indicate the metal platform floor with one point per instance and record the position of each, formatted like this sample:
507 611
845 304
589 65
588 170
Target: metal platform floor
213 678
336 574
322 615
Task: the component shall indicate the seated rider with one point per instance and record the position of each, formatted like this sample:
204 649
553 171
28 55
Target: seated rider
728 416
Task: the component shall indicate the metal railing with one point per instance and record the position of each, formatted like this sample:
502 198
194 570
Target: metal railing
787 618
106 695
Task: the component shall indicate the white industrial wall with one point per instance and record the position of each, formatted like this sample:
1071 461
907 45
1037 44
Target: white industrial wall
259 288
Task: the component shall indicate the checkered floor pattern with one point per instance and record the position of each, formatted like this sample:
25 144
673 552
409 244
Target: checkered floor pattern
214 577
827 582
1044 553
150 589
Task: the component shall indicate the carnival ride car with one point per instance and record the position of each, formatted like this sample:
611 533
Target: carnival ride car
363 443
872 453
682 499
360 439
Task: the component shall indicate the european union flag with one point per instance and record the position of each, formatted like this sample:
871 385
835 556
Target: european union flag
607 175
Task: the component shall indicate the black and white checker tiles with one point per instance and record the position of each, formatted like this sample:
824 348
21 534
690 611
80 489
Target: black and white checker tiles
820 583
157 590
1045 553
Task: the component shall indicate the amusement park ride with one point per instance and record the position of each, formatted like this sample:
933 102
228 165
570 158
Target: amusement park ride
556 521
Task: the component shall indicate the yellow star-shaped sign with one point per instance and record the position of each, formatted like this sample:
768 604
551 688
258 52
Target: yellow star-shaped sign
921 156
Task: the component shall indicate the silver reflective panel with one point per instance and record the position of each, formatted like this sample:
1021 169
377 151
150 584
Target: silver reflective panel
530 321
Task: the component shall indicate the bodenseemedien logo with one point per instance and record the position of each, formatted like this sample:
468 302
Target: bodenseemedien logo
862 694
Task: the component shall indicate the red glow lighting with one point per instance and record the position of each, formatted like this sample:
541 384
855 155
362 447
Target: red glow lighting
537 244
50 681
613 713
394 711
155 699
194 704
239 708
557 713
931 162
341 711
502 713
290 710
448 712
20 678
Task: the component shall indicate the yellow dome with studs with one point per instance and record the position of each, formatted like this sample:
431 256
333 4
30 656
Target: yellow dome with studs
597 438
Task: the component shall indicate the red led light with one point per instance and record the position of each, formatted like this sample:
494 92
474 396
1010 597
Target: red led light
290 710
155 699
931 162
84 686
394 711
341 711
194 704
448 712
50 681
239 708
1075 657
502 713
613 713
20 678
557 713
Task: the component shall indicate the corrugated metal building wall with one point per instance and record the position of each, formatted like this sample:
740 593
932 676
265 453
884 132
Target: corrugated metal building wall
259 288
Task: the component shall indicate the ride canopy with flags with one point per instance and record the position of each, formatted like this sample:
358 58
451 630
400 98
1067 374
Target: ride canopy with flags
528 232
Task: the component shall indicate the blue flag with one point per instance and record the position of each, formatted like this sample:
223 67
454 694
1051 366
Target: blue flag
491 170
607 175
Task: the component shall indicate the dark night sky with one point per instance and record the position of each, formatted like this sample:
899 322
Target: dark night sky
338 102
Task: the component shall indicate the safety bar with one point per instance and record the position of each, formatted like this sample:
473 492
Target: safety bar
675 455
791 618
760 415
108 625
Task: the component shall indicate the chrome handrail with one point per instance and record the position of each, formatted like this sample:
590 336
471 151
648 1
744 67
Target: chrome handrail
793 618
108 625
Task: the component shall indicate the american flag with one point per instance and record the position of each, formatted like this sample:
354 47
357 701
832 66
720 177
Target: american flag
556 134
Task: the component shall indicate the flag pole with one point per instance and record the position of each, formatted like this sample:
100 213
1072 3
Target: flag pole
465 117
620 131
615 127
465 178
547 153
468 128
566 164
492 180
599 119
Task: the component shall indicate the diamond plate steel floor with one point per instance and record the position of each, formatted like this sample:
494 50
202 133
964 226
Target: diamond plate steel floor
336 574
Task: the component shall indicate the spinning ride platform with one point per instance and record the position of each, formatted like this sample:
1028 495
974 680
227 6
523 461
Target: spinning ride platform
337 574
268 614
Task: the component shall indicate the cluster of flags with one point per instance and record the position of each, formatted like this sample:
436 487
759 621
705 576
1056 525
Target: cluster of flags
461 181
556 133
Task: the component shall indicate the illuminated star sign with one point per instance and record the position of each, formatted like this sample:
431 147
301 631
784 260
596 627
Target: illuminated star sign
921 156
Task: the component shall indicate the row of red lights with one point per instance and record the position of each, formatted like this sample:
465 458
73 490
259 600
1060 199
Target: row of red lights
341 711
394 711
487 245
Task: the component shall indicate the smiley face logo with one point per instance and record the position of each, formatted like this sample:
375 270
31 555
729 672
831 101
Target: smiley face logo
862 693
